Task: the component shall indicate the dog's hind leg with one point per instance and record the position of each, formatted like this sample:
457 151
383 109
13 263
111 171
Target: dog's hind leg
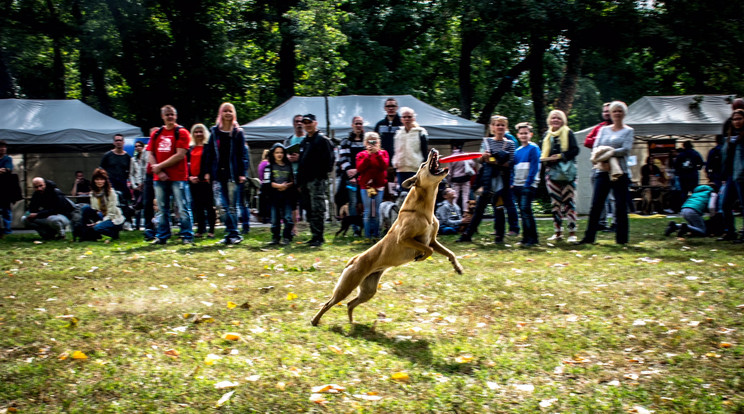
367 290
348 281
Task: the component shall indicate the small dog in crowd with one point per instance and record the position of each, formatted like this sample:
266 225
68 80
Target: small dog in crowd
467 216
347 220
413 237
388 215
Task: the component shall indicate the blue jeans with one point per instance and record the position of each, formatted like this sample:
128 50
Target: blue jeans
602 187
511 209
402 176
179 191
371 205
732 192
245 212
227 198
104 227
7 218
353 205
281 209
524 196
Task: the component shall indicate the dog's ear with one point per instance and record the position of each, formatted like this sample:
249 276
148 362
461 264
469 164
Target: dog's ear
409 182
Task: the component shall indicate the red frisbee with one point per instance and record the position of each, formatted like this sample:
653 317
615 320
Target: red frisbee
460 157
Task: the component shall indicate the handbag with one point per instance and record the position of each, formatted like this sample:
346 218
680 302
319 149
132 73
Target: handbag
562 172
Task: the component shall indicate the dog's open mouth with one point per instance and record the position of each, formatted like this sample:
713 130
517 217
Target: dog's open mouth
434 167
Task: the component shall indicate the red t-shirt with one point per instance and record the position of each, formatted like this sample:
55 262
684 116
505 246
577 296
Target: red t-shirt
196 157
166 147
372 169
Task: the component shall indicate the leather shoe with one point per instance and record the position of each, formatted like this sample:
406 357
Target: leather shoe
464 239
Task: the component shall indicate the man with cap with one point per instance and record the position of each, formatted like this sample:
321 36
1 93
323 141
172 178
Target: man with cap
316 161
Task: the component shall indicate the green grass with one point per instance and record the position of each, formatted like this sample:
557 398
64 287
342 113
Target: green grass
599 328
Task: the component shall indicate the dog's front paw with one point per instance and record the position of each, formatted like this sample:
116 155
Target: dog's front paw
458 268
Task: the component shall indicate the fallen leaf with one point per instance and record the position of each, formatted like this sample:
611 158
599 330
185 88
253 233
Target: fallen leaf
464 359
231 305
79 355
547 403
335 349
370 396
231 336
224 399
329 388
525 387
318 399
226 384
211 359
291 296
724 345
172 352
401 376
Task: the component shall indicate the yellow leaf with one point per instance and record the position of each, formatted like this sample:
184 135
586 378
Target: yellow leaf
79 355
231 336
89 253
63 356
211 359
401 376
231 305
724 345
291 296
464 359
281 386
335 349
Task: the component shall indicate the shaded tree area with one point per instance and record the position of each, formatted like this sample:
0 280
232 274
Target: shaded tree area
518 58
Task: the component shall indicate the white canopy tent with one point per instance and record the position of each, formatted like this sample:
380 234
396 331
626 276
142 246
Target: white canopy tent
277 124
58 126
685 117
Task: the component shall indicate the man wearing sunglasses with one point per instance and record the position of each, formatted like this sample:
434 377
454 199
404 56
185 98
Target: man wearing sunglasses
386 129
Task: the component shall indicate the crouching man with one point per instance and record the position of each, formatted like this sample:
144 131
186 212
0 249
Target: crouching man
49 210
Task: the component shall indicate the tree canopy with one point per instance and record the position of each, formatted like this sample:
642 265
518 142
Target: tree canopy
475 58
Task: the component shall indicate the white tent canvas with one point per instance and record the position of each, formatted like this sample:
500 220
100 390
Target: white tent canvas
277 124
57 125
687 116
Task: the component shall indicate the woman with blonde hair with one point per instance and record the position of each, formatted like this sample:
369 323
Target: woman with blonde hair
559 151
226 167
202 198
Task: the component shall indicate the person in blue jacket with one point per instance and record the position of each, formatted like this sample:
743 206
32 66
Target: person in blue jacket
524 181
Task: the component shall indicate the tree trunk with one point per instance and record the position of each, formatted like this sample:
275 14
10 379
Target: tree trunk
569 83
287 56
7 89
537 91
470 40
507 82
58 66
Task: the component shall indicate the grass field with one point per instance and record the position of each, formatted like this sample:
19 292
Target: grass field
127 327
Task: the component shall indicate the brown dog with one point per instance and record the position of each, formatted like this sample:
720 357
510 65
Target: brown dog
413 236
467 216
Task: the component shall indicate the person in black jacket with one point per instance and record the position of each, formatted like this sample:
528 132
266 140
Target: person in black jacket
49 211
316 161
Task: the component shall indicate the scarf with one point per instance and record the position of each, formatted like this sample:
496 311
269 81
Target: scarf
102 202
547 144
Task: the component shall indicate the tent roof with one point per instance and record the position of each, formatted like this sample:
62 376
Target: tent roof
679 115
277 124
58 125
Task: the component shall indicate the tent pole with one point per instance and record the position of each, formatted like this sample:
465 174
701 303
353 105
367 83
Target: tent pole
331 187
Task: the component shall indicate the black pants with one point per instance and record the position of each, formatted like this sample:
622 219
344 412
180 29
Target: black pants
602 187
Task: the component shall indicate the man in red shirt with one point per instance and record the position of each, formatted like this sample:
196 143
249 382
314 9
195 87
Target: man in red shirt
167 157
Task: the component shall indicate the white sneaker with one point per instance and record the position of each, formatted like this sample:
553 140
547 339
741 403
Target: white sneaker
127 226
572 239
555 237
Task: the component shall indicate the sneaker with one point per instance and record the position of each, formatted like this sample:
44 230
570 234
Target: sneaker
498 240
671 228
187 241
512 233
683 229
285 242
464 239
158 241
572 239
274 242
315 243
127 226
555 237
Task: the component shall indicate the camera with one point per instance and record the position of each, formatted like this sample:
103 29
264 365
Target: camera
372 142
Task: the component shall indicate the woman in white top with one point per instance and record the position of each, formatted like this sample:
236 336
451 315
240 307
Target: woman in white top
609 155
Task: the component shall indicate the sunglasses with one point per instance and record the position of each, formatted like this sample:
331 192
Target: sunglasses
391 106
406 116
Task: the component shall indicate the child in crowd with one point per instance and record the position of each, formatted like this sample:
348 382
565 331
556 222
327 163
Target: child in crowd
525 179
278 181
703 197
449 213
